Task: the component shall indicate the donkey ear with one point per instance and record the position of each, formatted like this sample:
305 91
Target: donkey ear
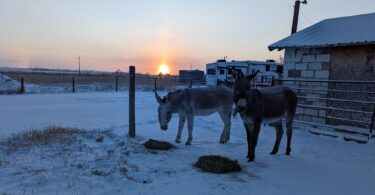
158 98
252 76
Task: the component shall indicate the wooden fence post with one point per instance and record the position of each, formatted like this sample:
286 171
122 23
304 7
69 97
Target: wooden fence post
73 86
273 82
132 101
22 85
190 83
116 83
372 124
155 84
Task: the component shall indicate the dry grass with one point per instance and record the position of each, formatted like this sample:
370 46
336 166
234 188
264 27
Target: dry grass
158 145
50 135
217 164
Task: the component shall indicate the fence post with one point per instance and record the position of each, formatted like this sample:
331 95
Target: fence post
22 85
372 124
116 83
273 82
73 85
190 83
155 83
132 101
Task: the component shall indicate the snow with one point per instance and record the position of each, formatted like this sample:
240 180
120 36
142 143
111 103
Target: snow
318 164
341 31
8 85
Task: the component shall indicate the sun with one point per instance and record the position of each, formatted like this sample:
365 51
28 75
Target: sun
163 69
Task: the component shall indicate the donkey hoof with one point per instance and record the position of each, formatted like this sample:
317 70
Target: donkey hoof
177 141
223 141
273 152
250 160
188 143
288 152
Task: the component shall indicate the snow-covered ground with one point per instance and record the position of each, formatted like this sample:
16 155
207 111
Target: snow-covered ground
121 165
8 85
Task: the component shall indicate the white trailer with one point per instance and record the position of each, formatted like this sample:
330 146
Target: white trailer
219 72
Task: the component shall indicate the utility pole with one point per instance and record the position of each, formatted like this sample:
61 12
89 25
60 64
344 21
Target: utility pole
79 65
295 15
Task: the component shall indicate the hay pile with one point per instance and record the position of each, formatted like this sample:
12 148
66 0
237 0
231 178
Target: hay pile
217 164
158 145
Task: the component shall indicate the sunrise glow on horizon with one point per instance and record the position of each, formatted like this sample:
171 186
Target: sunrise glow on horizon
163 69
111 36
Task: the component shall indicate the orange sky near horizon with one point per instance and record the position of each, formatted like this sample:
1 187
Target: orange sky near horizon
112 35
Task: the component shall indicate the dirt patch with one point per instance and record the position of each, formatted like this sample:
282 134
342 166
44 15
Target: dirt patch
217 164
158 145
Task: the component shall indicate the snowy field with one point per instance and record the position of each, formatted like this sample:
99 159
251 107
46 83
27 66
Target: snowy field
121 165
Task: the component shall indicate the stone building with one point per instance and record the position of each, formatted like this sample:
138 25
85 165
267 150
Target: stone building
334 49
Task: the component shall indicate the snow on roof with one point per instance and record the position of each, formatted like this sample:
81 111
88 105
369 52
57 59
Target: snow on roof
342 31
253 62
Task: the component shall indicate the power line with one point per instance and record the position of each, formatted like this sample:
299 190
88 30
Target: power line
304 17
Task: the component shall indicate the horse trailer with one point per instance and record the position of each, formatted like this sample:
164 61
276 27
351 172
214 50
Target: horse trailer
220 72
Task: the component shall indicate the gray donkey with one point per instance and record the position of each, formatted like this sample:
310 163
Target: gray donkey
196 101
267 105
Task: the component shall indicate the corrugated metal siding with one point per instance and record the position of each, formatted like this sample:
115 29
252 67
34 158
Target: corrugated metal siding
350 30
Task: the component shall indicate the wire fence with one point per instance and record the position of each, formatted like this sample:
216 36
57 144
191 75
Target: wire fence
65 83
344 105
341 104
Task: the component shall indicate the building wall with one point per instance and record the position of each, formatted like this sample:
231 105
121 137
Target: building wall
194 75
352 63
307 64
339 63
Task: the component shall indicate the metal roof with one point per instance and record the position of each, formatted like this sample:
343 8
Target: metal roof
342 31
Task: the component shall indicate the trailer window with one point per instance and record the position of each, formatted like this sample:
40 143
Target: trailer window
268 67
222 71
211 71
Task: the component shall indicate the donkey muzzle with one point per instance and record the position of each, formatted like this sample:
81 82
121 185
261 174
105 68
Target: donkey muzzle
241 105
240 109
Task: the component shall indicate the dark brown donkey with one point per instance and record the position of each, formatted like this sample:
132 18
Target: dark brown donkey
267 105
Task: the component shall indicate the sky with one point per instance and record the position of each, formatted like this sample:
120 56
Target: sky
183 34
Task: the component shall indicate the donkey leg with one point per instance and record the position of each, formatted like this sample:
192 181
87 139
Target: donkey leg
289 131
254 138
190 120
226 131
248 136
229 124
180 127
279 135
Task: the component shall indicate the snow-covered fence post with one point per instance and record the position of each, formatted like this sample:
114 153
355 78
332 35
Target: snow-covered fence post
73 86
22 85
132 101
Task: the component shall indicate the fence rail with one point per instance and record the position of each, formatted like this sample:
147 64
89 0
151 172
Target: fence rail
333 103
